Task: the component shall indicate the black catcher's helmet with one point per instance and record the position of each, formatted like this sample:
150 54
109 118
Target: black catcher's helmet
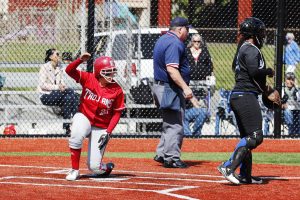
254 27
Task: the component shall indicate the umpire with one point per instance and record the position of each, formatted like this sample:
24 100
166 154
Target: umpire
172 76
250 81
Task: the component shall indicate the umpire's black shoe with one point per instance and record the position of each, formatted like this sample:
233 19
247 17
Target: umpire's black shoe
175 164
158 159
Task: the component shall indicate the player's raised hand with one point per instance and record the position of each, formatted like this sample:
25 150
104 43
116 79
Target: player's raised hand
85 56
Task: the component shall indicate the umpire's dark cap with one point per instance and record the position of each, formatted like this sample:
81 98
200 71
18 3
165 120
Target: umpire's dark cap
180 21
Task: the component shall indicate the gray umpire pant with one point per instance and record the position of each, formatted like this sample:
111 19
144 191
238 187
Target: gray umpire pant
170 143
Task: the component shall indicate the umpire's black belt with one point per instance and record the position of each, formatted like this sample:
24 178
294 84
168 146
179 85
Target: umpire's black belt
159 82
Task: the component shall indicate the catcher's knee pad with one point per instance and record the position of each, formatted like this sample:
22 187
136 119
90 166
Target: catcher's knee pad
254 139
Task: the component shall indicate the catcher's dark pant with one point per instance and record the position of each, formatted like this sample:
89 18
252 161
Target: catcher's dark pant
247 112
249 120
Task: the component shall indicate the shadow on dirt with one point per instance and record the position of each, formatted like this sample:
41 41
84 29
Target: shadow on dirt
94 176
195 162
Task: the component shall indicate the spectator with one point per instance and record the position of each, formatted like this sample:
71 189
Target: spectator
267 116
292 53
291 105
201 68
197 116
52 87
199 59
224 112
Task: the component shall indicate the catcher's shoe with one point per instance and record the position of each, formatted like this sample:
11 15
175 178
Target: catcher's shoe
109 168
254 180
226 172
73 175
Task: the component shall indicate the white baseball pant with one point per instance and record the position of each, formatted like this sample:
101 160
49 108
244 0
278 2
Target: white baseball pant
80 129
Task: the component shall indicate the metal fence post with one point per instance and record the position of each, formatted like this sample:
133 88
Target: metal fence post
90 31
279 62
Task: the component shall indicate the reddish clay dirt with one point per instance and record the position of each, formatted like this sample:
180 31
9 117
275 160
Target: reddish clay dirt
145 145
28 177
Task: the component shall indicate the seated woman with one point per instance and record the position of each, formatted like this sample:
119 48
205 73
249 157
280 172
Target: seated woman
53 91
196 115
199 59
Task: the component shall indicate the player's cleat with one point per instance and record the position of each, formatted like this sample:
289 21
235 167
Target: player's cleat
109 168
72 175
254 180
175 164
158 159
226 172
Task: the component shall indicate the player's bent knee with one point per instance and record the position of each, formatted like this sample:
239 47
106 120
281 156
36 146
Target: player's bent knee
75 142
259 137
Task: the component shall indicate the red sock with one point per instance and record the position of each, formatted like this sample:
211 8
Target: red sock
75 158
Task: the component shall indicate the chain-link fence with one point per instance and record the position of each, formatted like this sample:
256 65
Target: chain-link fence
127 30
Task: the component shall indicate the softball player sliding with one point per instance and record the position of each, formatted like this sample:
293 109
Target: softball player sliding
101 105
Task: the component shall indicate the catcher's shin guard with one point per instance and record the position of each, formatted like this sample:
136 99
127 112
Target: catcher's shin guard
246 167
238 157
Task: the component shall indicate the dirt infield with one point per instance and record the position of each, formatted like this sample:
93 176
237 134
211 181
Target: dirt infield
40 177
146 145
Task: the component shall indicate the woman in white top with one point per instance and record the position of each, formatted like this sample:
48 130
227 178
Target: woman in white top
52 87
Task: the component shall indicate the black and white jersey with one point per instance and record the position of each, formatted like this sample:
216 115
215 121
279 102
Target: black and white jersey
250 69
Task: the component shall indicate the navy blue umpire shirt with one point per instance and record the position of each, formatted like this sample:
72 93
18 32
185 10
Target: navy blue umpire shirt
170 50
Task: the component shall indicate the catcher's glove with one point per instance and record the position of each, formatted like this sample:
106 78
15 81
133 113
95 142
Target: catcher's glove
271 98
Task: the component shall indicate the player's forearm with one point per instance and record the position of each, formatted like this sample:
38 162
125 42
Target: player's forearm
71 68
113 122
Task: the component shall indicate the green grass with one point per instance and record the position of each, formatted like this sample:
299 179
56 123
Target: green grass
19 69
259 158
31 52
19 89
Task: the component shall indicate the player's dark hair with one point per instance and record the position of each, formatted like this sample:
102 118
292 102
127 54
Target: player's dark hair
49 53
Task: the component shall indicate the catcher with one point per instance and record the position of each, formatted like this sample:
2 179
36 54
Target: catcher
101 105
250 81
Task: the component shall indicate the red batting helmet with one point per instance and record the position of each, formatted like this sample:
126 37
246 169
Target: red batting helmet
105 66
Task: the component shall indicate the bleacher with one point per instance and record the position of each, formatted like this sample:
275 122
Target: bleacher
24 109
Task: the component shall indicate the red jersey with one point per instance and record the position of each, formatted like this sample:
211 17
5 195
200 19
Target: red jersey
97 103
